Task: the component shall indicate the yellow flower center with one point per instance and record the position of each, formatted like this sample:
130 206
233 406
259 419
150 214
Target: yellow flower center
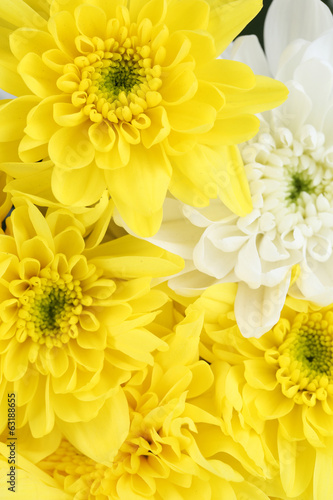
67 461
306 358
118 78
49 309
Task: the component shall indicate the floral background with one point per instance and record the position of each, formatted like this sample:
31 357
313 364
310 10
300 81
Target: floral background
166 251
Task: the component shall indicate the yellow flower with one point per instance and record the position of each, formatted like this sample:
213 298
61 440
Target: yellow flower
280 385
5 198
130 96
29 482
72 321
166 452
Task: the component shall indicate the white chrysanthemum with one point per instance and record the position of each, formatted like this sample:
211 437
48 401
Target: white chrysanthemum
289 166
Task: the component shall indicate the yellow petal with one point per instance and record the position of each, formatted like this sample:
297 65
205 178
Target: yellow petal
67 115
159 128
227 73
25 40
106 432
155 10
20 13
40 79
89 185
192 116
179 86
138 190
40 411
10 80
232 130
228 18
41 125
13 116
267 93
202 45
130 257
188 14
234 187
63 28
102 136
91 21
32 150
71 148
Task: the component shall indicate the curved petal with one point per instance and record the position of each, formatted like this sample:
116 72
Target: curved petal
89 185
13 117
257 311
71 148
106 432
284 24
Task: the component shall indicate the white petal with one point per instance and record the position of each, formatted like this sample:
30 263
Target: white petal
321 48
328 131
288 20
290 58
203 217
272 251
176 235
211 260
247 50
191 284
316 77
319 248
248 267
315 282
257 311
294 112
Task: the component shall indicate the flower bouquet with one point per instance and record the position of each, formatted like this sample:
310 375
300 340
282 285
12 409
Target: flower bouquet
166 264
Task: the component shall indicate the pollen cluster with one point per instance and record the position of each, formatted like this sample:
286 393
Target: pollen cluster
306 358
49 309
118 78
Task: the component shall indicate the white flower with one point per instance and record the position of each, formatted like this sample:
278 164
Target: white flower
289 166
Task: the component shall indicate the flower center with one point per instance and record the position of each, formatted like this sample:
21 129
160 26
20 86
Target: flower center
117 79
291 183
299 182
306 358
50 309
67 461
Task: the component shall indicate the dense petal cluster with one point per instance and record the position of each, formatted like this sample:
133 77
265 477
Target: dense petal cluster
168 451
130 97
289 168
72 320
138 130
280 386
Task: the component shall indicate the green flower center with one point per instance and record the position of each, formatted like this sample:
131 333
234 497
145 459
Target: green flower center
306 358
300 183
50 310
119 77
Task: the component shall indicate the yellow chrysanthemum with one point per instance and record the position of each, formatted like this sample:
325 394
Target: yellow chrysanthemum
163 456
280 385
72 321
129 95
5 198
